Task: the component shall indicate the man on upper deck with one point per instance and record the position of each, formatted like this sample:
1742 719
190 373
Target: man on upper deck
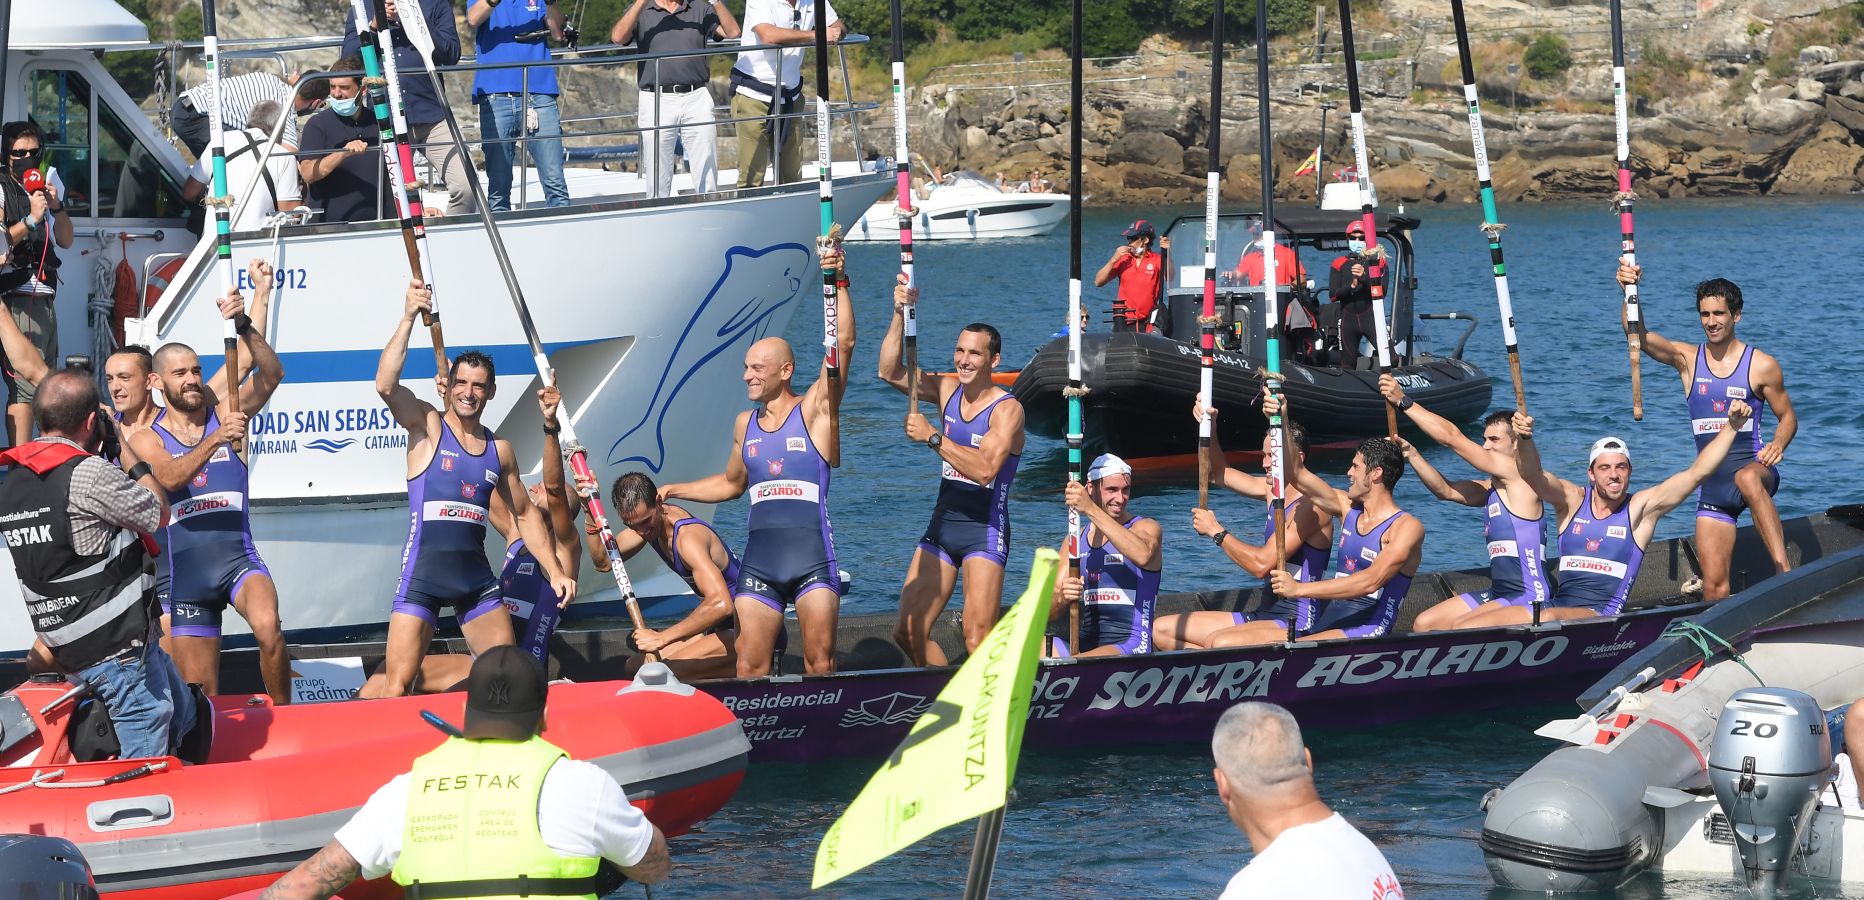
1716 373
518 103
770 82
340 163
675 97
423 105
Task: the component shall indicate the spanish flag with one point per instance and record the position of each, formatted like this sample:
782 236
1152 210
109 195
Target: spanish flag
958 761
1311 163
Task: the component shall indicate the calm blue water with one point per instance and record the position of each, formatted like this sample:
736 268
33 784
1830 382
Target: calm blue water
1146 823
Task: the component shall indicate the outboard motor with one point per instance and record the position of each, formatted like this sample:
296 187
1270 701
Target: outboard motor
1770 759
36 865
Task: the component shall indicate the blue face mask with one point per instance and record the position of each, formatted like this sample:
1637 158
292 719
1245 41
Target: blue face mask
1355 246
344 107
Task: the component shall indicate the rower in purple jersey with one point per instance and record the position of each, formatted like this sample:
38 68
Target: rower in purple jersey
703 644
978 449
459 475
1307 546
781 453
1604 527
1380 548
211 562
1719 371
1513 517
1117 583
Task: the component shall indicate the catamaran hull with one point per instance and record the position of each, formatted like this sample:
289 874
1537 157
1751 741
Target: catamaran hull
646 312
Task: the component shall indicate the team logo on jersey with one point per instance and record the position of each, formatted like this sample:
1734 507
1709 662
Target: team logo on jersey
750 450
1592 544
776 467
1576 528
1720 406
795 444
1495 509
1737 393
526 568
977 440
1702 387
1352 563
1615 531
490 478
468 489
200 479
446 464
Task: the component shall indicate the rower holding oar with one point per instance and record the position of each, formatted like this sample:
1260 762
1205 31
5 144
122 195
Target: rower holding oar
1604 527
704 644
781 453
1750 475
1513 515
1116 586
1307 544
1380 548
452 489
978 448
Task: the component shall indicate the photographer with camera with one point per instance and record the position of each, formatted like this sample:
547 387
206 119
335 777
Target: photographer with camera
519 103
1352 286
1141 273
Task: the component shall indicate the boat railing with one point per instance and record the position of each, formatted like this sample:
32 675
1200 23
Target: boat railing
603 56
1463 339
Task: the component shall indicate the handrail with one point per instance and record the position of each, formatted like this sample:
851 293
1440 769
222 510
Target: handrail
1467 331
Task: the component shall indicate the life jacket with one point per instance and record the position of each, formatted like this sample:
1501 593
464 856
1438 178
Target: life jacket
472 828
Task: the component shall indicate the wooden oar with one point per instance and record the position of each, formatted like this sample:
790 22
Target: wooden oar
1491 224
1375 269
1623 199
414 213
1271 307
221 201
1207 323
1075 389
902 171
415 28
825 188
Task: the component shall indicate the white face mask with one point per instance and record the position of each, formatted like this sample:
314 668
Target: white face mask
1356 246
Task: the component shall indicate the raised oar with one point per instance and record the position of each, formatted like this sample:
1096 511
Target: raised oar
375 56
825 188
1491 224
1623 199
1375 270
1271 305
415 28
415 211
1075 389
221 201
1207 323
902 171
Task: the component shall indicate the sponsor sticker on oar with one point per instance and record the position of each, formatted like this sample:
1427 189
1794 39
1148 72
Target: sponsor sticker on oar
958 761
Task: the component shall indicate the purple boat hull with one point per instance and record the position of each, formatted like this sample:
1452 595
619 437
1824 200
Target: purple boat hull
1177 697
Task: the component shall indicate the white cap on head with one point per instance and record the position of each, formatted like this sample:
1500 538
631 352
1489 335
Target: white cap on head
1608 444
1107 464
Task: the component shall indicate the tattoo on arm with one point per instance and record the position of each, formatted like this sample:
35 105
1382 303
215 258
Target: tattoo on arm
331 870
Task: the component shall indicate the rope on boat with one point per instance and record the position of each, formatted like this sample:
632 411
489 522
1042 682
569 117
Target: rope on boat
1074 392
46 779
1493 229
1622 197
1702 638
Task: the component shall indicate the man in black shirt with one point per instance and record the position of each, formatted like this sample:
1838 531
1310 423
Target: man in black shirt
339 161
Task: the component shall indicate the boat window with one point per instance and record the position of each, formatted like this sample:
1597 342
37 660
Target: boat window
127 180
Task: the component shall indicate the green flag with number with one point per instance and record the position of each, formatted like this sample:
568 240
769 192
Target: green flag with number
959 759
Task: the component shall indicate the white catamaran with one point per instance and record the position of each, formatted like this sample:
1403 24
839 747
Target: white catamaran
645 305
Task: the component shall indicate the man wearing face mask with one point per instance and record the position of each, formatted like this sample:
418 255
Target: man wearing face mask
34 198
339 161
423 106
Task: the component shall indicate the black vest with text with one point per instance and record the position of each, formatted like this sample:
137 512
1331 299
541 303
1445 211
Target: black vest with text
87 608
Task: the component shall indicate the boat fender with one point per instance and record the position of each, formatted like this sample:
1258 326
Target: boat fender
655 676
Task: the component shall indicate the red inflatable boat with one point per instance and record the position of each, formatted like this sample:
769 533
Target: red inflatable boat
279 781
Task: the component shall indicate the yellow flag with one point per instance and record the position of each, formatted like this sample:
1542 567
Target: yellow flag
960 757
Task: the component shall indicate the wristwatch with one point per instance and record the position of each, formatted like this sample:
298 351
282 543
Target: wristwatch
1220 537
1406 404
935 441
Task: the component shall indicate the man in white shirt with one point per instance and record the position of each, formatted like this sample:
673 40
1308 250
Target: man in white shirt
278 188
761 75
583 816
1304 851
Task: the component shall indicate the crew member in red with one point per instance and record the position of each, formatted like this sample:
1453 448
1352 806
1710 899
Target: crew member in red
1141 272
1287 267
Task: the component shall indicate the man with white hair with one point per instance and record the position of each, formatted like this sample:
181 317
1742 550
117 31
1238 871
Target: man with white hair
1117 582
1305 850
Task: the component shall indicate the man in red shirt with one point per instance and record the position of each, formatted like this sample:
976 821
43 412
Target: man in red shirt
1141 273
1287 267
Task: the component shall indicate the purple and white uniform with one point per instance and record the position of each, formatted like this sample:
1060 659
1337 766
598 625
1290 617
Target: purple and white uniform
530 600
208 537
1117 597
971 519
1310 564
678 564
1599 559
790 550
443 563
1373 614
1718 498
1516 552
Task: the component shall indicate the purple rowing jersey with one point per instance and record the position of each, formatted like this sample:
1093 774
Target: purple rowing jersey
531 601
1709 396
790 549
1515 552
971 519
1599 559
443 562
208 537
1310 564
1373 614
671 556
1117 597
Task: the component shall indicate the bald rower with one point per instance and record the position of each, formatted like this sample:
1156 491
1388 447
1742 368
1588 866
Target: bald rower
781 454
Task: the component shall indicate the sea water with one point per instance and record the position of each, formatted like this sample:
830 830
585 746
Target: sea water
1146 822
